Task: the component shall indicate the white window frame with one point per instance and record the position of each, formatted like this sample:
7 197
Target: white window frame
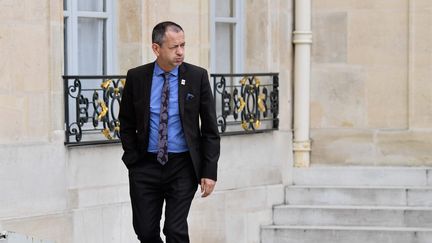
238 38
71 14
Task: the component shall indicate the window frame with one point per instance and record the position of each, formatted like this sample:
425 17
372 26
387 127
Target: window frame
237 21
71 14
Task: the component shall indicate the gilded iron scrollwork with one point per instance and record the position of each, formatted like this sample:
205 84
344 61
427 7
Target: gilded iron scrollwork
243 101
91 108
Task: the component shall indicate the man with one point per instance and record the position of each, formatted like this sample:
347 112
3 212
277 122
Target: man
166 150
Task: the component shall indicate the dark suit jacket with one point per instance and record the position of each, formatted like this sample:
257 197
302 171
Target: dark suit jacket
195 102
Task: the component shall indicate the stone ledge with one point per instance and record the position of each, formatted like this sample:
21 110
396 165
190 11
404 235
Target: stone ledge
97 196
363 176
337 234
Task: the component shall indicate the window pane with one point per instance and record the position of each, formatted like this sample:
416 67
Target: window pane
64 4
224 8
224 48
91 5
65 43
91 46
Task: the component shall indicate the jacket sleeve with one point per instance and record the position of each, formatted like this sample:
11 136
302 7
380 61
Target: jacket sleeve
210 139
128 128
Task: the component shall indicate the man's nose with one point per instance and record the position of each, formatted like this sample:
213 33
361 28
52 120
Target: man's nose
180 50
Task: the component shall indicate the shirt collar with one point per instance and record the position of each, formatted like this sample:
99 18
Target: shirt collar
158 71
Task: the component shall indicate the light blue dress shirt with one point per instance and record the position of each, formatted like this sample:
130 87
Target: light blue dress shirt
176 139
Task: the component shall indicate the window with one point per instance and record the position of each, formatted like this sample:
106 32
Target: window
88 37
91 104
226 36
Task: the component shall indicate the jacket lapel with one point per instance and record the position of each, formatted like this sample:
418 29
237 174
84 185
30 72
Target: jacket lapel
146 78
182 89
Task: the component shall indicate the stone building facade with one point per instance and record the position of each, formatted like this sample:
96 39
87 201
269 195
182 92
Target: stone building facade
370 105
370 89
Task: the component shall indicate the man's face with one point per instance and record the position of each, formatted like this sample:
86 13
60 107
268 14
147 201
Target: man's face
171 53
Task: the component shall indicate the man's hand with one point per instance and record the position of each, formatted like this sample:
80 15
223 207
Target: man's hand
207 186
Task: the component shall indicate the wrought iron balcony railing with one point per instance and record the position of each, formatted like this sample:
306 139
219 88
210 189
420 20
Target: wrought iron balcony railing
245 103
91 109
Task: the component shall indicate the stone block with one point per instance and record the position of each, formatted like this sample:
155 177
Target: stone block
193 54
368 147
130 16
338 96
285 13
129 56
388 43
98 196
233 215
405 147
344 234
254 222
352 216
250 199
37 117
420 99
236 227
11 237
55 227
96 166
342 146
359 5
27 118
57 110
24 11
275 195
419 197
345 196
387 97
246 161
13 107
420 85
329 37
55 11
6 83
108 224
429 176
28 45
422 5
185 7
360 176
204 57
286 100
256 34
32 180
207 219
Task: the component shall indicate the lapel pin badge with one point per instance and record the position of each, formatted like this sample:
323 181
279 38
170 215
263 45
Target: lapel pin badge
183 82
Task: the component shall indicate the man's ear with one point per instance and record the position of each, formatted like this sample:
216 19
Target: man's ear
155 48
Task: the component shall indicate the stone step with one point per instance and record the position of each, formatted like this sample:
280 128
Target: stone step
373 196
353 216
12 237
337 234
363 176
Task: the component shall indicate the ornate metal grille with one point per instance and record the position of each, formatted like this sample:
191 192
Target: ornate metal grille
91 109
246 103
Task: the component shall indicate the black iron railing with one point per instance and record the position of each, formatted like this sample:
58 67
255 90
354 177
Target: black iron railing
247 102
91 109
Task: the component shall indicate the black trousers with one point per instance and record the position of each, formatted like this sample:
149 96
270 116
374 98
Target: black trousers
150 185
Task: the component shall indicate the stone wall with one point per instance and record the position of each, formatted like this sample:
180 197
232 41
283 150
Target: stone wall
370 94
34 196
